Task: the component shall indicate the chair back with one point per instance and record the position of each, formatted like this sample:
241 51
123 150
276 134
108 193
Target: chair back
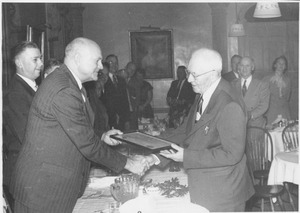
290 136
259 149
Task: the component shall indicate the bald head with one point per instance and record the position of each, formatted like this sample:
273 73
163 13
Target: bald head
83 56
204 69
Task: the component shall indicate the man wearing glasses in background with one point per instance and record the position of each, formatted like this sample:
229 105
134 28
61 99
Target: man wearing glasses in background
211 142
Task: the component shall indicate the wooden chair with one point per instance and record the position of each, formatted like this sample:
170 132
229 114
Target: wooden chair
290 136
290 142
259 158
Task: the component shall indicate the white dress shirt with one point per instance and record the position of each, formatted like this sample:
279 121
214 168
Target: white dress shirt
249 79
30 82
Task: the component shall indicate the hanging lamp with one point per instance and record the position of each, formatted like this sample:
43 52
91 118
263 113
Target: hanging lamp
267 10
237 29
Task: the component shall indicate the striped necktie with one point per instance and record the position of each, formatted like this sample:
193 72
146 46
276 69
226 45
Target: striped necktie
244 89
199 109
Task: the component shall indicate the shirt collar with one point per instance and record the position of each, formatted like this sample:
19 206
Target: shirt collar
236 75
76 78
249 79
30 82
111 76
208 93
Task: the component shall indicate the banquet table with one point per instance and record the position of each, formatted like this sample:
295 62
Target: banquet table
276 135
90 202
285 168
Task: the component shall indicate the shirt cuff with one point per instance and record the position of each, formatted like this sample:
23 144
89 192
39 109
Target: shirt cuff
156 159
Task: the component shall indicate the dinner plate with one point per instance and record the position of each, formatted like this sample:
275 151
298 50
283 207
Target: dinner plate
140 204
147 204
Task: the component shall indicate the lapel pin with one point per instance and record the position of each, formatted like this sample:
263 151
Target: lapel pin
206 129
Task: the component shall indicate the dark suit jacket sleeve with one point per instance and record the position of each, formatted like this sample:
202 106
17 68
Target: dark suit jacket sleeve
69 111
19 105
264 98
171 92
232 137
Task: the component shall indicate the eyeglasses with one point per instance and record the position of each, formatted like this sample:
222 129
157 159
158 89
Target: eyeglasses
196 76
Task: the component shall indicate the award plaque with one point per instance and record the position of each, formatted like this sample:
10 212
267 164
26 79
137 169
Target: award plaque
144 140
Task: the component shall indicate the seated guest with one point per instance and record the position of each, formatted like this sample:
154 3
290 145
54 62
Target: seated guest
51 65
115 97
180 97
280 89
145 95
233 74
17 102
255 93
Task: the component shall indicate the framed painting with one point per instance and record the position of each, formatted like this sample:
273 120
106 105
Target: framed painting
152 52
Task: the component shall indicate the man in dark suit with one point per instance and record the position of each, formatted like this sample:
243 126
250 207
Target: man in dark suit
180 97
212 140
53 166
115 97
255 93
233 74
17 102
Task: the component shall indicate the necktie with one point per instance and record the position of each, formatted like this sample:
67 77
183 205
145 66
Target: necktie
244 89
199 109
115 80
179 86
87 105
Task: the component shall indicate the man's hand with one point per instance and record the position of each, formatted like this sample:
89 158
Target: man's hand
110 141
137 164
176 156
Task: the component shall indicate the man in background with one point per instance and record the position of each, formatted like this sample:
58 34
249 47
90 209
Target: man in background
255 93
180 97
53 166
115 97
17 102
233 74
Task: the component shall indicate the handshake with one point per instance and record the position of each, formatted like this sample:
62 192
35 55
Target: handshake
139 164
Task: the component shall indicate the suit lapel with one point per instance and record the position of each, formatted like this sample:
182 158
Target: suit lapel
25 85
87 107
207 115
252 88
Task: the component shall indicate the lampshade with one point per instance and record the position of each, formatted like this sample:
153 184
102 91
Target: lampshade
267 10
237 30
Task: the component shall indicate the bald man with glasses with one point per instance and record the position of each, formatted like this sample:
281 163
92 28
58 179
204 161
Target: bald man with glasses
211 142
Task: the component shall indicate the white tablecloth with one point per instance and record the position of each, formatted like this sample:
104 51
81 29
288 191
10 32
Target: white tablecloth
285 168
100 202
276 136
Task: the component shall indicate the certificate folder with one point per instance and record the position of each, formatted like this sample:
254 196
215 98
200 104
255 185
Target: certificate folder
144 140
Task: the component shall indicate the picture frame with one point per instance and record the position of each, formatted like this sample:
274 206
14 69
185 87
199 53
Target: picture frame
140 139
152 52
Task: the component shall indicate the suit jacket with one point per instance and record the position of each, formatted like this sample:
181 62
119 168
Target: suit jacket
17 103
16 107
116 103
214 155
186 92
229 76
53 165
256 100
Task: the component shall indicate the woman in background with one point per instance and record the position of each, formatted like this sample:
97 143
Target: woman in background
280 89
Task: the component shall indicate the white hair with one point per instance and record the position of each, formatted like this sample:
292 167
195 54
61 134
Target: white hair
206 59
